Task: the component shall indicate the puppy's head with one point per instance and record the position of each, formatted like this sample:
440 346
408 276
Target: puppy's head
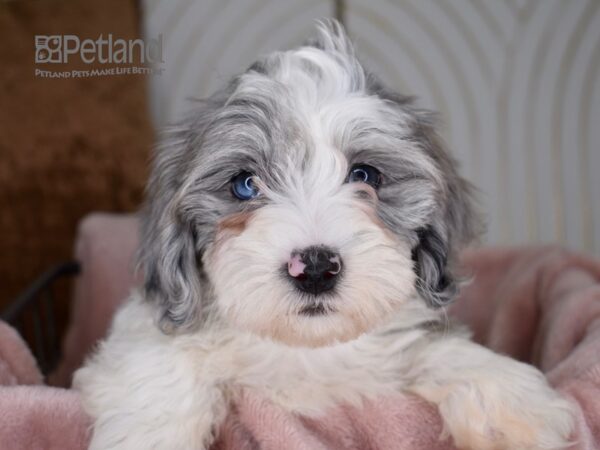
304 203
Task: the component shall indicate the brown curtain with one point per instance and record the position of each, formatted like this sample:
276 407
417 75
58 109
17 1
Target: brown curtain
67 146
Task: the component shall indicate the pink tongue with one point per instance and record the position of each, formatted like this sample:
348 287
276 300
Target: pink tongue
296 266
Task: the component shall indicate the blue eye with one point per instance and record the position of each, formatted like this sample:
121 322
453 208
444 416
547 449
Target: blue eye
242 186
363 173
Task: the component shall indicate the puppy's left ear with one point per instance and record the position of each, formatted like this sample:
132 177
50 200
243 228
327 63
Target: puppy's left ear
452 227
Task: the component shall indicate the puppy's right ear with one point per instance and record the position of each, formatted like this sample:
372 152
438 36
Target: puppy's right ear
169 255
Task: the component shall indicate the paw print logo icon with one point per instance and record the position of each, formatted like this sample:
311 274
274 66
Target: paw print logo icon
48 49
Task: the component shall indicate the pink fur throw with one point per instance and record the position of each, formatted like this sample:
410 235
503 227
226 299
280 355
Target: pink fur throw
539 304
34 416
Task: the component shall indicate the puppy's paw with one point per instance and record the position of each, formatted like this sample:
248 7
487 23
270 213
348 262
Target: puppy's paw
512 409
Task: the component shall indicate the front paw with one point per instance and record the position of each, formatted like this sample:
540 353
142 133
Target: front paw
513 409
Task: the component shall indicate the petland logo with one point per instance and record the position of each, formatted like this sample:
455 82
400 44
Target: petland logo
139 55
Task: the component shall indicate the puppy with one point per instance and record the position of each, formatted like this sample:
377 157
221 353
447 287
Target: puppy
298 241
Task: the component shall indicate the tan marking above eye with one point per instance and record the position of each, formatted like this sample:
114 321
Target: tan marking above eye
365 189
371 212
235 223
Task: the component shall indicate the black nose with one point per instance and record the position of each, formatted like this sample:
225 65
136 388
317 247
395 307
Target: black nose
315 269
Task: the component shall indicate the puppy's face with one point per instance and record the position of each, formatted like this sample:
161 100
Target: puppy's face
303 203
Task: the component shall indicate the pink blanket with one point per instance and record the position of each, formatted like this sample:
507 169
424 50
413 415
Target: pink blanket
540 305
34 416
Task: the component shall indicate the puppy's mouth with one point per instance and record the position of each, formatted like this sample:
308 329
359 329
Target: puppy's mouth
315 308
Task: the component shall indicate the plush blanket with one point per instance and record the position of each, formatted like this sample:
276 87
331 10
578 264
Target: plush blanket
539 305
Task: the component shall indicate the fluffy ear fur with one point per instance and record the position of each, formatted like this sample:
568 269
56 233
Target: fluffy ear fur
170 255
452 227
455 222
